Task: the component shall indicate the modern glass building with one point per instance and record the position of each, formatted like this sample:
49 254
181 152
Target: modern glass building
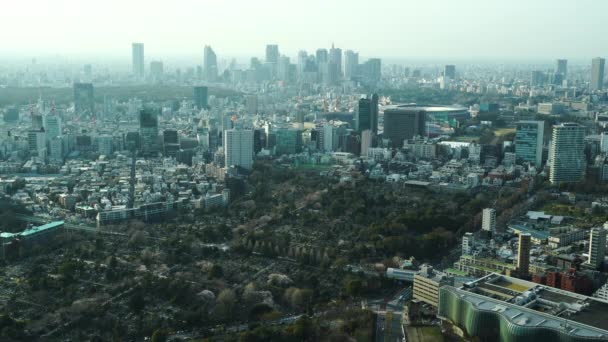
567 157
529 142
500 308
288 141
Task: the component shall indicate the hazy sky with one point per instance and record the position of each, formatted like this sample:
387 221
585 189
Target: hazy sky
441 29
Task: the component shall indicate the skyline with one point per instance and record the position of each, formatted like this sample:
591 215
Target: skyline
238 28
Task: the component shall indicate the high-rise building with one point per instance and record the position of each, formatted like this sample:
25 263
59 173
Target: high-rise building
251 103
137 54
488 220
238 148
105 145
272 53
200 97
561 67
302 61
529 137
148 131
52 126
329 132
567 157
468 242
427 283
402 123
288 141
210 64
84 101
170 142
366 142
449 71
367 114
156 70
37 143
597 247
523 254
537 78
597 74
335 57
351 64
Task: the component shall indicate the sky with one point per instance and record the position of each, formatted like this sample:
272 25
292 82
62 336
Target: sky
437 29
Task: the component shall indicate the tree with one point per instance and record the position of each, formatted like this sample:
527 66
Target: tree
216 271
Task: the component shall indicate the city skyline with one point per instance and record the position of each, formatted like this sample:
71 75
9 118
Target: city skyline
226 26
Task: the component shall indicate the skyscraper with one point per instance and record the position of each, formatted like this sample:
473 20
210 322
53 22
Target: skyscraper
523 254
597 247
210 64
351 63
402 123
488 220
329 132
371 71
529 137
148 131
272 53
449 71
83 98
200 97
367 114
52 126
597 74
537 78
567 153
335 57
238 148
137 54
156 70
468 241
561 67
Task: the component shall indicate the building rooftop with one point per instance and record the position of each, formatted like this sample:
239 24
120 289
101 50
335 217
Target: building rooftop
533 305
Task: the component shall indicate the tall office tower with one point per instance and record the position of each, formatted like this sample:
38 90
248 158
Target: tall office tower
364 114
322 56
597 247
367 115
328 137
200 97
351 64
529 137
148 131
302 60
523 254
374 114
52 126
283 68
371 70
37 122
561 67
170 142
105 145
537 78
597 74
84 101
403 123
272 53
137 54
468 242
366 142
567 153
488 220
210 64
37 143
156 70
238 148
335 56
449 71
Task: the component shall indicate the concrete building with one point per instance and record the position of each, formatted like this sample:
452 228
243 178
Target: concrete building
427 283
488 220
468 241
238 148
597 74
201 95
597 247
137 55
529 137
523 254
567 158
501 308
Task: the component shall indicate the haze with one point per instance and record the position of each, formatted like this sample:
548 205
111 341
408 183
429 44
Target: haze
387 28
